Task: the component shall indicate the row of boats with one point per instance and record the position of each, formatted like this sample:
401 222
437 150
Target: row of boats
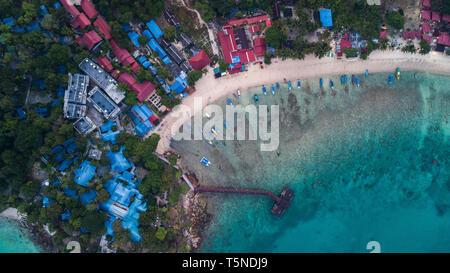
355 81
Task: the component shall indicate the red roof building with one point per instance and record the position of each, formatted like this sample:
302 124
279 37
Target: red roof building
260 46
78 19
419 34
345 44
254 29
253 20
405 35
383 33
412 35
228 43
435 16
122 55
103 27
444 39
143 90
426 28
70 7
89 8
426 15
105 63
89 39
135 67
426 4
427 38
81 21
199 61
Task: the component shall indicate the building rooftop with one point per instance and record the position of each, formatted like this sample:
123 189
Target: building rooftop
75 96
89 8
89 39
104 63
154 29
84 125
200 60
103 103
103 27
102 79
326 18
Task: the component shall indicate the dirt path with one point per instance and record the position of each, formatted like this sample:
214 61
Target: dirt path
212 38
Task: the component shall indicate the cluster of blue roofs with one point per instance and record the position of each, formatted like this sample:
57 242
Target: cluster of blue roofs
61 152
142 117
107 133
153 33
119 205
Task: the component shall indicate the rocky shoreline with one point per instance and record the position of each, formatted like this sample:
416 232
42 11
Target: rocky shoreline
42 240
196 209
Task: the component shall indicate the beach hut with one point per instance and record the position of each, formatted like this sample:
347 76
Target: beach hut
326 18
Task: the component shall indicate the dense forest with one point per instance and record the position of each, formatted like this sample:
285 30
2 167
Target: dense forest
37 62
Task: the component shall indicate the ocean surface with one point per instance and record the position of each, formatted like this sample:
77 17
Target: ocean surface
368 163
14 238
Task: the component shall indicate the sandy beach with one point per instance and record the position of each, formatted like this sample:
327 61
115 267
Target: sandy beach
209 89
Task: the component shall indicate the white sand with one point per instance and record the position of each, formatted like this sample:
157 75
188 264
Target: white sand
210 89
13 214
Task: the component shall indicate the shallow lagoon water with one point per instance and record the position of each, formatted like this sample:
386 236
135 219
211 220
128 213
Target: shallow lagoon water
14 238
368 163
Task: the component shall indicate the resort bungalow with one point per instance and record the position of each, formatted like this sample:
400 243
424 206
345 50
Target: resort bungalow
143 90
103 27
199 61
89 39
143 118
326 18
78 19
89 8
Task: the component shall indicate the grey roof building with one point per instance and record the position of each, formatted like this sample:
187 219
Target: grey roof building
185 40
102 103
102 79
75 96
84 125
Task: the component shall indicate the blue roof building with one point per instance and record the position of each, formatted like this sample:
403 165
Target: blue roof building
21 113
142 118
44 10
119 162
154 29
66 215
157 48
84 174
70 192
107 126
126 27
33 26
147 34
119 205
110 136
46 202
134 37
87 197
326 18
9 21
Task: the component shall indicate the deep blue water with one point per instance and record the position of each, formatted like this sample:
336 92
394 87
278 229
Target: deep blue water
366 164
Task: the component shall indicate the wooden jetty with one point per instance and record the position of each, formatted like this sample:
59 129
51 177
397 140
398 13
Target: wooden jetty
282 202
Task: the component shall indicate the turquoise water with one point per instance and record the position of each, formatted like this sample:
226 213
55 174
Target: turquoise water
365 164
15 239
